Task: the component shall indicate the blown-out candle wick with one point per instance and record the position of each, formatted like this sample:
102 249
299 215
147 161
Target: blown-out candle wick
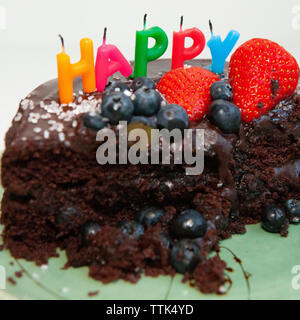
62 41
104 35
181 23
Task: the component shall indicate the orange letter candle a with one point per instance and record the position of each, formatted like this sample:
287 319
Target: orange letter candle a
67 71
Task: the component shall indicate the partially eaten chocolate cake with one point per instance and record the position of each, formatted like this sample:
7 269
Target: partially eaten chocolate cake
123 220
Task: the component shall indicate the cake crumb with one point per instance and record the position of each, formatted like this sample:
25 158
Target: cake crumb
19 274
93 293
12 281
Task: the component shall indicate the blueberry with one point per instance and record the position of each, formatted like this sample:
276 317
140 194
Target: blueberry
225 115
292 207
221 90
93 121
117 107
89 230
116 86
132 229
148 121
185 256
142 82
146 102
67 215
171 117
149 216
273 219
189 224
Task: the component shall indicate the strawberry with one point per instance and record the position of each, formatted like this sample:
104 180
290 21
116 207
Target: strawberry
261 74
189 88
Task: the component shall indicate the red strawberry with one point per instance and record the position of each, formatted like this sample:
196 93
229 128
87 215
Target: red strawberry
188 87
261 74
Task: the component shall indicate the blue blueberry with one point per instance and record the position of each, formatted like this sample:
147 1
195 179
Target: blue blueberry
132 229
273 219
67 215
116 86
146 102
221 90
142 82
292 207
189 224
149 216
226 116
93 121
148 121
89 230
171 117
185 256
117 107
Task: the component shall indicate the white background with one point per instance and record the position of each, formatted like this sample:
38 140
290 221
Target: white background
29 43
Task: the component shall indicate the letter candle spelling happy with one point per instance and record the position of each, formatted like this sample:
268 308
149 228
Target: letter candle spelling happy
67 71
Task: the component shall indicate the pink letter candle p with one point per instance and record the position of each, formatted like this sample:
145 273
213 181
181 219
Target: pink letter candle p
109 61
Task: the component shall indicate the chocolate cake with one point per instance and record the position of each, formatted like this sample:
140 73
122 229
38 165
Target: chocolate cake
58 196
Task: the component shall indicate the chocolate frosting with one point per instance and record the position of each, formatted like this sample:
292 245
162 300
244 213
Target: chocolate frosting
41 121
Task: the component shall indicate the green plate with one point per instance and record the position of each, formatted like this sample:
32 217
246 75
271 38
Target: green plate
270 259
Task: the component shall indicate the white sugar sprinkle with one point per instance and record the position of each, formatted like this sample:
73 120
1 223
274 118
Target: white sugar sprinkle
74 124
37 129
61 137
46 134
44 267
18 117
222 290
127 93
35 276
26 103
55 126
169 184
34 117
45 116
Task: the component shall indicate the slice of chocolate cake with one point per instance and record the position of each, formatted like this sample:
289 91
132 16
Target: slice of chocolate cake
123 220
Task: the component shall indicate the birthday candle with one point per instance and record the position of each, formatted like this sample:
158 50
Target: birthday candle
143 54
180 52
220 50
109 61
67 71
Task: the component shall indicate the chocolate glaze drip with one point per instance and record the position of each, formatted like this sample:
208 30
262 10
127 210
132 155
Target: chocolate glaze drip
290 171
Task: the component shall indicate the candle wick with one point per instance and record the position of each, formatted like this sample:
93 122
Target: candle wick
181 23
62 41
211 27
104 35
145 20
